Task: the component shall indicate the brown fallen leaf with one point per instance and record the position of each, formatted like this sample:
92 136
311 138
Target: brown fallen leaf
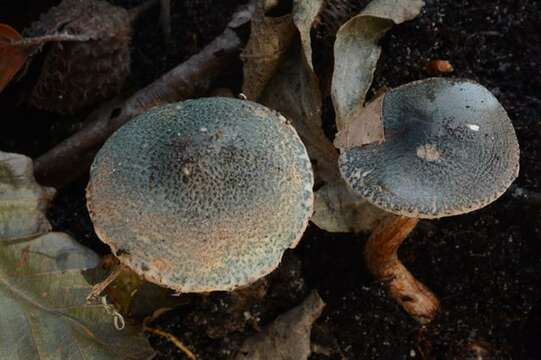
22 200
338 209
304 16
269 40
287 337
44 281
293 90
367 130
356 53
12 58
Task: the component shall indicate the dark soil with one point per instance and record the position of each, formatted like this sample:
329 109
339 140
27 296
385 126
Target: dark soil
484 266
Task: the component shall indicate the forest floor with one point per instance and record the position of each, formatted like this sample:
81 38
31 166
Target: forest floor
485 266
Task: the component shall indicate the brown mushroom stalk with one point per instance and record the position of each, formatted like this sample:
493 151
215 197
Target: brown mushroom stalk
381 255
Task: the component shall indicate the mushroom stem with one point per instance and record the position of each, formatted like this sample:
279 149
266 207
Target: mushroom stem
381 254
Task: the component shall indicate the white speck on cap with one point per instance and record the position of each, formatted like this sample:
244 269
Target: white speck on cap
473 127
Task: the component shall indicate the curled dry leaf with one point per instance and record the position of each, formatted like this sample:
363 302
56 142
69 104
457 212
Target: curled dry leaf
287 337
22 200
44 282
12 58
269 40
293 90
304 15
356 53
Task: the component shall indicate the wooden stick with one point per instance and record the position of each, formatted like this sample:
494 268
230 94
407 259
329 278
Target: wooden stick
172 338
381 254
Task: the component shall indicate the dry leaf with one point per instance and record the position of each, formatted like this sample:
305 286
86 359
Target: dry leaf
294 92
137 298
44 310
22 200
12 58
44 283
356 53
288 337
304 15
270 38
338 209
366 131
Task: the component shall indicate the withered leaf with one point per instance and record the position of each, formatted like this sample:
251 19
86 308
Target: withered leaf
287 337
294 92
367 129
270 38
338 209
22 200
304 15
356 53
43 292
44 282
12 58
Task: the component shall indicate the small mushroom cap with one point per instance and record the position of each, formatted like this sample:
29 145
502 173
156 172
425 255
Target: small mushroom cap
202 195
449 149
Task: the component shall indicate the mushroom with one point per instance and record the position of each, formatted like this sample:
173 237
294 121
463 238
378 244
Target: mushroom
202 195
449 149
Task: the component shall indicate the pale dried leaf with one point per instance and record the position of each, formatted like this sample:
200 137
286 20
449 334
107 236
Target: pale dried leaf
22 200
270 38
356 52
44 282
43 290
304 14
338 209
288 337
367 130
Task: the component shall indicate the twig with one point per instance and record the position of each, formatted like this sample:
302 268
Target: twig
173 339
102 285
39 40
69 159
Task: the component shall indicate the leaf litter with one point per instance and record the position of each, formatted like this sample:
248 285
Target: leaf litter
44 281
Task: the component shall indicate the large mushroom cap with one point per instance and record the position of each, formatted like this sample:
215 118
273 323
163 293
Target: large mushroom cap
202 195
449 149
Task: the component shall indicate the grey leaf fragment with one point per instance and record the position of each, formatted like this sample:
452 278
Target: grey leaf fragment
287 337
